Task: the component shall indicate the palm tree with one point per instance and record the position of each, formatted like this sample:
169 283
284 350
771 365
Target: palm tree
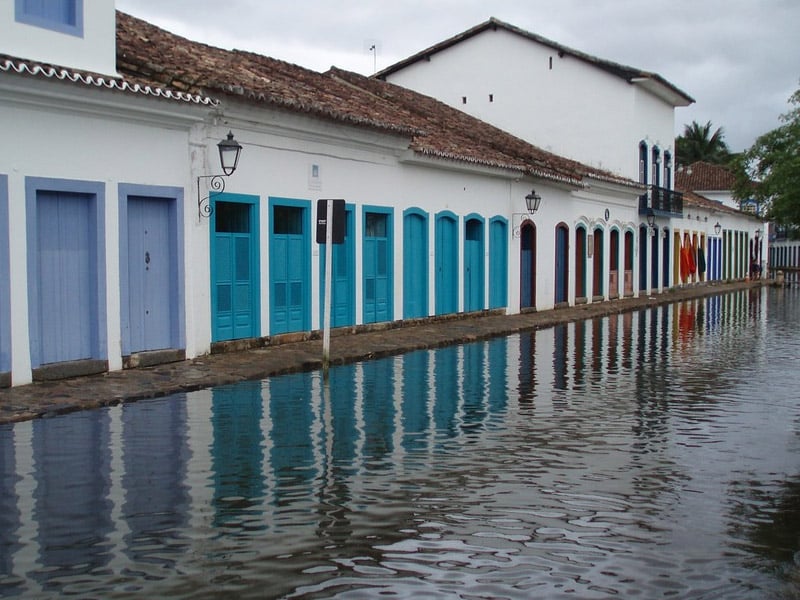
699 143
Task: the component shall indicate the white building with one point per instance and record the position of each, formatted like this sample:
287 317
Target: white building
117 249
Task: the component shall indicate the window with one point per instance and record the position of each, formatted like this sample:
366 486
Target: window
64 16
668 170
656 180
642 162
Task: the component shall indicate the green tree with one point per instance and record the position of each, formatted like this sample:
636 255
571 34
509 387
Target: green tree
769 172
698 142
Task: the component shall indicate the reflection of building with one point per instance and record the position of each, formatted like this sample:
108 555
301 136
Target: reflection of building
114 261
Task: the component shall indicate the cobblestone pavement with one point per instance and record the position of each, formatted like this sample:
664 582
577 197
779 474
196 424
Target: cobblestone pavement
43 399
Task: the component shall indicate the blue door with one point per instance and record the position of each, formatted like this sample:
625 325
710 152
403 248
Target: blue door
665 260
498 263
290 266
562 264
343 311
527 266
473 265
377 265
65 278
642 258
234 275
654 276
446 263
415 264
152 276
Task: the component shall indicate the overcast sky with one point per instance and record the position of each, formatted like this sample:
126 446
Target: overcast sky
739 59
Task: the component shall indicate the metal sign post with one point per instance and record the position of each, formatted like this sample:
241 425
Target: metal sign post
330 230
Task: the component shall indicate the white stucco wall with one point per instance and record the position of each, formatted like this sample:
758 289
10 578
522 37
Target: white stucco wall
561 104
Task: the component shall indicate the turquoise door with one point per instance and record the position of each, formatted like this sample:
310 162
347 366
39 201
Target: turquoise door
290 266
498 263
473 265
377 265
562 264
234 275
446 263
343 311
415 264
527 266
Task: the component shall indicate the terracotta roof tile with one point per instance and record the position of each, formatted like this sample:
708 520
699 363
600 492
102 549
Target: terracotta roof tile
704 177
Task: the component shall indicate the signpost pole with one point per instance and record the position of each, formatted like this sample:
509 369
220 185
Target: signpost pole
326 330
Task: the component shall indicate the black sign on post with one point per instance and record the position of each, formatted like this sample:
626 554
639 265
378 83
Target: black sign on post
339 221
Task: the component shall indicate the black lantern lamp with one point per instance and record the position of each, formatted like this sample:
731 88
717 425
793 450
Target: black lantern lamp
229 152
532 203
651 220
717 228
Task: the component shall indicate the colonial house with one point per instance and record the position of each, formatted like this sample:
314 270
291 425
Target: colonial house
603 113
125 242
739 233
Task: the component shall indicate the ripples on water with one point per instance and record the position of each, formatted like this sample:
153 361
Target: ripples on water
646 455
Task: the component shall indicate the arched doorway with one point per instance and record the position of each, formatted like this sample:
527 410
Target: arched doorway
527 265
562 264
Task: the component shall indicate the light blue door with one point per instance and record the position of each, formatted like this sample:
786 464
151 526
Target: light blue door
446 263
152 276
415 264
377 266
66 262
234 275
343 311
290 267
498 263
473 265
527 266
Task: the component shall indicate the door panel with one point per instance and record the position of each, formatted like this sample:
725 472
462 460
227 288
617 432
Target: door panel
446 265
151 276
66 282
415 266
290 266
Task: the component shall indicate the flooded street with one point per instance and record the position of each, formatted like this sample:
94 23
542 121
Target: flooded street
653 454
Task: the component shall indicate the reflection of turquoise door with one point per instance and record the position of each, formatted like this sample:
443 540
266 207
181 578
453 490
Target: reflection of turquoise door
446 263
234 268
289 266
562 264
498 263
415 264
527 266
343 311
377 265
473 265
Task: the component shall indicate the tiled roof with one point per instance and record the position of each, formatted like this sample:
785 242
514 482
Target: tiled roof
158 63
704 177
629 74
146 52
10 64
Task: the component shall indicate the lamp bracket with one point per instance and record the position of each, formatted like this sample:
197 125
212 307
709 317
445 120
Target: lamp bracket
216 187
517 221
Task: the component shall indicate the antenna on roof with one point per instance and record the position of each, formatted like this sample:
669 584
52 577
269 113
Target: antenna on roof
374 47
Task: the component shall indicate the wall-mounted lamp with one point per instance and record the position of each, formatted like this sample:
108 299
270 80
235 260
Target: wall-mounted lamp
532 203
229 151
717 228
758 235
651 221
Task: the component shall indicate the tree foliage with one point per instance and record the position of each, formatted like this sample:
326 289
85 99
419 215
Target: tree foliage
699 143
769 172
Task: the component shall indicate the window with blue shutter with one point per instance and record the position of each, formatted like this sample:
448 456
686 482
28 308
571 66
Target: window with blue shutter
64 16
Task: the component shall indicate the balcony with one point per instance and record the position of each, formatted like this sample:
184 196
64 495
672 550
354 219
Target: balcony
663 202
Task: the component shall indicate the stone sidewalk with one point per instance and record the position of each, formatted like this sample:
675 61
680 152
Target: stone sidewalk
50 398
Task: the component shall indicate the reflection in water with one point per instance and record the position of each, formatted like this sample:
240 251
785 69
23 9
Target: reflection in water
635 455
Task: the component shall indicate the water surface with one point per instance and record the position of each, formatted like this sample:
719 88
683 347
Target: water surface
648 455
